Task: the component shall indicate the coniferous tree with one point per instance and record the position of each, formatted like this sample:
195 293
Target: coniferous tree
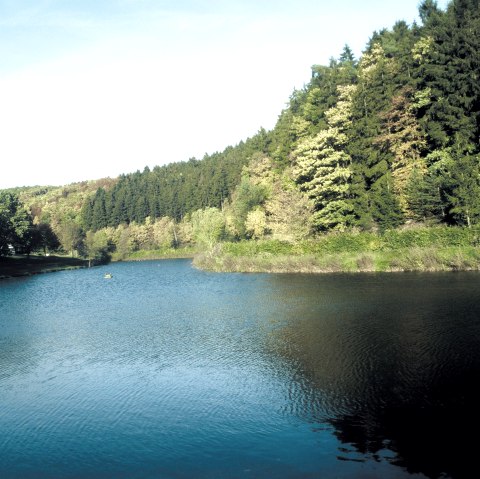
379 79
428 9
384 202
448 62
465 197
99 214
424 196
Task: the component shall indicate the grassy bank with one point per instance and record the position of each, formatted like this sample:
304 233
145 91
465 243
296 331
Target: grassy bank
165 253
27 265
421 249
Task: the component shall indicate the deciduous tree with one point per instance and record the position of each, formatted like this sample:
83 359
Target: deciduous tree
208 226
322 167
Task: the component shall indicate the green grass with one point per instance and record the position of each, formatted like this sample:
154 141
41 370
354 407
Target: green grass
165 253
416 259
26 265
420 249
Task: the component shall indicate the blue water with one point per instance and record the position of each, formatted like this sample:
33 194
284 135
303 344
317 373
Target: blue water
165 371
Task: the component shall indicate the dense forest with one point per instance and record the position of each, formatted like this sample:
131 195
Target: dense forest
369 144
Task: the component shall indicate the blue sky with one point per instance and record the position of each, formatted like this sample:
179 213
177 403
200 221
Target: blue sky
96 88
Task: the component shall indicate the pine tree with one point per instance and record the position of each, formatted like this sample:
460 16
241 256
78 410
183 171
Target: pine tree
87 214
465 195
424 196
447 74
384 203
383 70
99 212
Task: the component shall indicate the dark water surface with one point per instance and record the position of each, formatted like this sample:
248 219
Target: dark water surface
169 372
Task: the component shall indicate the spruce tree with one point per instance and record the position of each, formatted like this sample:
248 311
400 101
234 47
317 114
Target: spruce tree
424 197
465 197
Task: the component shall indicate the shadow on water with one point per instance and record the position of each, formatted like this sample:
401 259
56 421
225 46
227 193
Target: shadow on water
391 362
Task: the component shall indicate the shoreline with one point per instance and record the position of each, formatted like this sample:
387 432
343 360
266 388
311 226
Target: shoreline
434 260
22 266
222 259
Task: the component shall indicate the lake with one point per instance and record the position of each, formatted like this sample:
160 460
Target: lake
165 371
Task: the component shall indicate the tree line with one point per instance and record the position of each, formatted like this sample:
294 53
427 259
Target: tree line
173 190
372 143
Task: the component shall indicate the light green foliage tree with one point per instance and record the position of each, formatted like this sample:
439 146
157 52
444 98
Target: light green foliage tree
288 211
322 167
96 247
161 233
260 172
142 235
126 239
123 244
256 223
165 233
247 196
208 226
374 68
255 187
70 235
184 232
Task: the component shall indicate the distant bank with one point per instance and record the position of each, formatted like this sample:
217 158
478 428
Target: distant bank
13 266
412 249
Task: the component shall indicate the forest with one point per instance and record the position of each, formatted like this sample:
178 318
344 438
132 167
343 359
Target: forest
383 142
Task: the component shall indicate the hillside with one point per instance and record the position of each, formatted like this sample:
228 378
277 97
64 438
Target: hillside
370 144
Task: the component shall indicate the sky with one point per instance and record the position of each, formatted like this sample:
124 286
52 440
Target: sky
95 88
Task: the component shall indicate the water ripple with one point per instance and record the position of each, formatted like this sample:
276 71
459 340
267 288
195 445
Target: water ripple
165 371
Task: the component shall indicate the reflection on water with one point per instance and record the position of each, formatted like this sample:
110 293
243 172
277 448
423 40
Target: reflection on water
392 362
165 371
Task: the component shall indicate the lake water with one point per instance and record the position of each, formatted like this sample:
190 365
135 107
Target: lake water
165 371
